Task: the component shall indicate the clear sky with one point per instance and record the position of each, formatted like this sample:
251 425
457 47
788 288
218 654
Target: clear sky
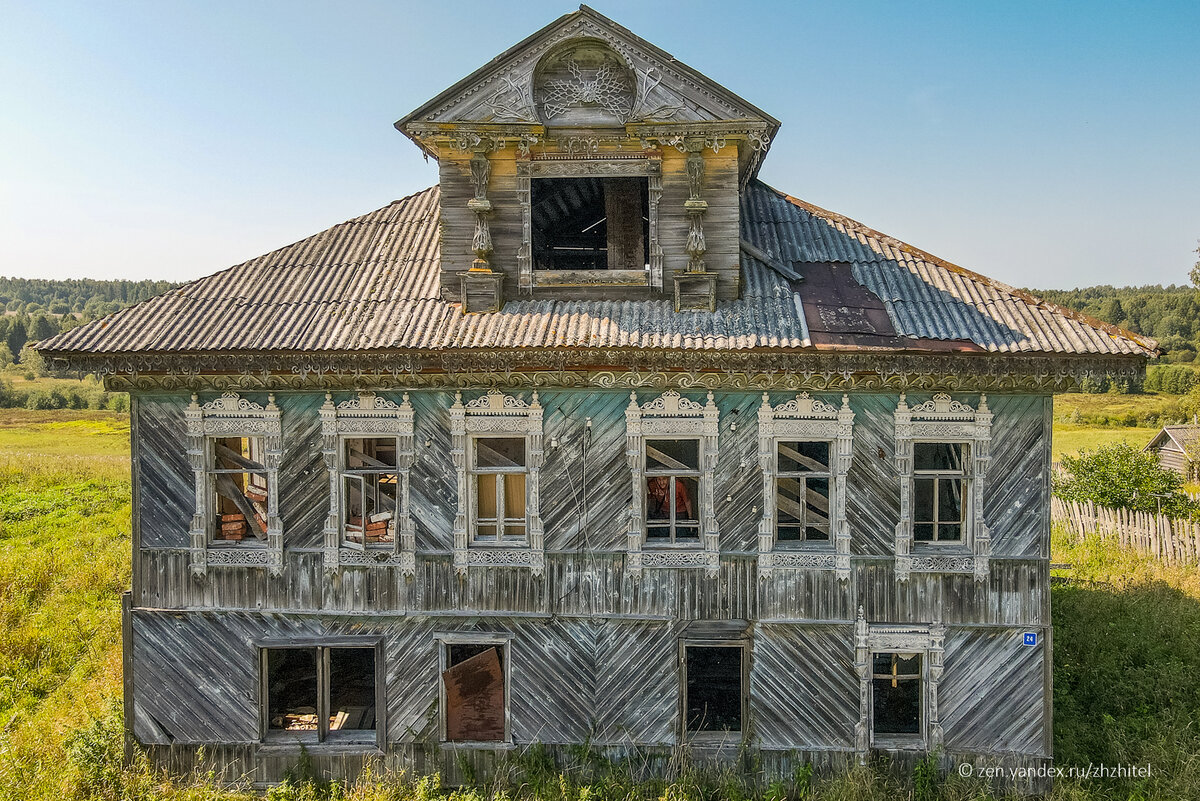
1046 144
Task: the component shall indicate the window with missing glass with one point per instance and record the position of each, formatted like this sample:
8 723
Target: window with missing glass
318 694
715 689
498 475
802 483
672 491
896 684
939 491
370 492
238 489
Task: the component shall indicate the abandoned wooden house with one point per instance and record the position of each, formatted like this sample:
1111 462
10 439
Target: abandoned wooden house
1178 448
601 440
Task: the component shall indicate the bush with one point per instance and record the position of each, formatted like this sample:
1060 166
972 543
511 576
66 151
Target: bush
1171 379
1120 477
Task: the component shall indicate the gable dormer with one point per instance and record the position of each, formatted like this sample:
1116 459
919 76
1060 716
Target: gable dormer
586 163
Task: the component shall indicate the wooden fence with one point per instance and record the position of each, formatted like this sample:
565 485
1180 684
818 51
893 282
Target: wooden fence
1174 541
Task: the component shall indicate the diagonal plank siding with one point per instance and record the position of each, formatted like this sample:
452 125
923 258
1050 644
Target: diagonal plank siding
804 688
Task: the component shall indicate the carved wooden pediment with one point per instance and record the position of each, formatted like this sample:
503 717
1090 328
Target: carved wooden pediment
583 69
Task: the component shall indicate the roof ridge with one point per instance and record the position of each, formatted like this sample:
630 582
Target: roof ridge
1027 297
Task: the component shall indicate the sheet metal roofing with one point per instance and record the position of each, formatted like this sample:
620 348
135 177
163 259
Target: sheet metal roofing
372 283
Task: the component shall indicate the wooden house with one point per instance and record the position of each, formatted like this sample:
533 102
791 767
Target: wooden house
601 440
1177 448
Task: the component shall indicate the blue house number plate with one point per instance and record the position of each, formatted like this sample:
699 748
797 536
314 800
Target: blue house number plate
1031 638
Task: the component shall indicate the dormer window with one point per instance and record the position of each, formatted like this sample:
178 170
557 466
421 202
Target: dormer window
591 224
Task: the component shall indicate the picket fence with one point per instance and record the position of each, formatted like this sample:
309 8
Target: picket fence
1170 540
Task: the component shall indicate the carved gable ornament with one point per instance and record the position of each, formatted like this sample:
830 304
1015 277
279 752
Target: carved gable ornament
585 70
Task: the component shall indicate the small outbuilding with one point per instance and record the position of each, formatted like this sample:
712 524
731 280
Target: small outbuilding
1178 449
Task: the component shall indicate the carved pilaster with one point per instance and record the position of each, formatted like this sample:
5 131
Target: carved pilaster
655 189
458 453
481 244
525 251
696 207
936 654
862 665
197 457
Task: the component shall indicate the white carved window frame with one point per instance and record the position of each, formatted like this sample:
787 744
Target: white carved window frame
491 414
874 638
630 167
806 419
943 419
668 416
368 416
231 415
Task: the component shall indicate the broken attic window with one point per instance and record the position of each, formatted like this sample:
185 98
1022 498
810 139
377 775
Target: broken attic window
292 690
896 693
498 476
939 491
351 692
802 492
672 490
475 696
369 492
590 223
714 688
239 490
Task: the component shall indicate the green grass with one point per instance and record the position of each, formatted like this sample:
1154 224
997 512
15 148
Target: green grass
1126 672
1071 439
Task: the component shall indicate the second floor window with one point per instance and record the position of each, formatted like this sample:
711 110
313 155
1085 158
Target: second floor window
672 490
370 498
238 486
498 488
801 492
939 491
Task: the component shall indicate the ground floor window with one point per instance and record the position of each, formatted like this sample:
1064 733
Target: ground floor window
715 691
321 693
896 693
475 690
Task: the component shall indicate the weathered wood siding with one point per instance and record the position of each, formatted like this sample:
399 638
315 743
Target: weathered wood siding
594 655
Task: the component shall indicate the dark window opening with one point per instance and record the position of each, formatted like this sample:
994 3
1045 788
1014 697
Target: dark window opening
802 492
292 689
239 490
475 692
590 223
714 688
369 492
673 490
351 690
320 693
939 491
896 691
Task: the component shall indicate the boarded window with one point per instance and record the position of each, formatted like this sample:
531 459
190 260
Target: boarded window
370 484
714 697
672 490
475 694
802 492
896 693
238 481
939 491
590 223
498 476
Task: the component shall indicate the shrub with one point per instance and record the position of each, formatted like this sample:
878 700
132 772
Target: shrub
1120 477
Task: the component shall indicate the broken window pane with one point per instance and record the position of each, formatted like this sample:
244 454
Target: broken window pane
370 484
672 455
789 514
714 688
939 456
816 509
590 223
896 693
797 457
351 690
474 685
239 490
500 452
292 689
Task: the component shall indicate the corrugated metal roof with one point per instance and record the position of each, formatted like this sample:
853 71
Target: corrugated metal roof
372 283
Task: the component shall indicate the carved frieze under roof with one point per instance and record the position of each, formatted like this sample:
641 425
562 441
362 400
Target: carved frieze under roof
585 70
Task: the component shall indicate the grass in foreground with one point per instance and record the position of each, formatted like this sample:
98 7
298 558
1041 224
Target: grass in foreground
1127 658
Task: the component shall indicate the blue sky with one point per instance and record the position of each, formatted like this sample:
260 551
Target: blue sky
1046 144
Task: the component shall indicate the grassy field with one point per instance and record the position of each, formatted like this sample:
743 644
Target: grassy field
1127 658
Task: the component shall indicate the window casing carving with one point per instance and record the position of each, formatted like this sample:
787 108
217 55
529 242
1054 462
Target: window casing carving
944 420
350 541
234 417
528 170
672 417
492 416
804 420
922 644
